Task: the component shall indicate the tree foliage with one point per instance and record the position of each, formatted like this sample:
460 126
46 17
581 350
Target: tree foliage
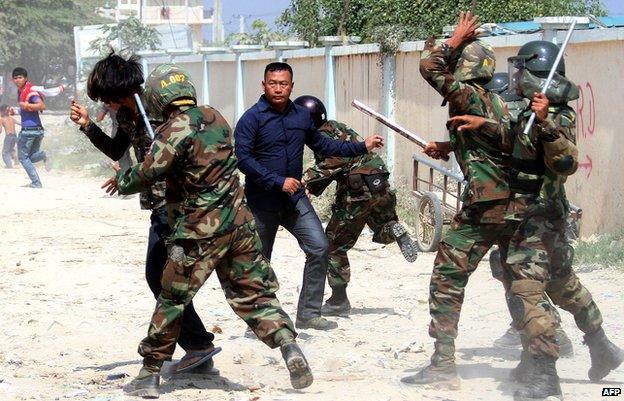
38 34
391 21
260 34
127 36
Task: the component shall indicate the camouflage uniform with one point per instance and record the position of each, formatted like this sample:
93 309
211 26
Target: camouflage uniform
542 242
214 230
489 212
481 221
355 205
516 107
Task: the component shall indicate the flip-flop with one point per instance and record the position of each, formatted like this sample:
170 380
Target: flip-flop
193 359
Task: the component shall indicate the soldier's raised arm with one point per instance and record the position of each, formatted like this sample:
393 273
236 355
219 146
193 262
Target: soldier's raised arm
435 61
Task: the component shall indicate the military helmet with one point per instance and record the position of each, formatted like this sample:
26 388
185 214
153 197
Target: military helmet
539 56
476 61
168 84
500 85
316 108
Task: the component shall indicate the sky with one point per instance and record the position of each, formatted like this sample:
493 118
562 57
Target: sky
269 10
615 7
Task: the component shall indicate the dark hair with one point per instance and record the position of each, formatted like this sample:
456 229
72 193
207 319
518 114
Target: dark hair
19 71
114 78
4 108
278 66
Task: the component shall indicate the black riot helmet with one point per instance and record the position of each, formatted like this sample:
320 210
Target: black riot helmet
539 56
316 108
499 84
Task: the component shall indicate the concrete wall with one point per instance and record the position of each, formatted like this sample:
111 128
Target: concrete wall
222 88
594 61
598 186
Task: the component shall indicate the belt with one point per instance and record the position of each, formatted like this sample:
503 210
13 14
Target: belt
32 128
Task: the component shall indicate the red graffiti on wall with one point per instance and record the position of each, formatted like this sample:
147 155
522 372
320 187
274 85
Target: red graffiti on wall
586 111
586 120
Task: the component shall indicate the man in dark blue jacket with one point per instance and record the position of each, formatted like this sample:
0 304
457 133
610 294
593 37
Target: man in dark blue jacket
270 137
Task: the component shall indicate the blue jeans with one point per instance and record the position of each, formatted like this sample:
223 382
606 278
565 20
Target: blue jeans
304 224
193 335
29 152
7 149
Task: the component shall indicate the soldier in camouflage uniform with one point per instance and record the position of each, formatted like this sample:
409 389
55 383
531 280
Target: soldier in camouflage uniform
480 138
542 241
458 69
363 196
106 84
214 229
516 105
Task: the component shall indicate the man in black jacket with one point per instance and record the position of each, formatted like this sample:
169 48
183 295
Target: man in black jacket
270 138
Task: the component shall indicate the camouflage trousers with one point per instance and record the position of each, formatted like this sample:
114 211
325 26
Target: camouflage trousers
501 274
247 279
346 224
545 243
474 230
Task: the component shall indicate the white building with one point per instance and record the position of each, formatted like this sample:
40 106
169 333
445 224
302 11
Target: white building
164 12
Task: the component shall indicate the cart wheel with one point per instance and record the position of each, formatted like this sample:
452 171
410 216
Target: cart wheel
429 222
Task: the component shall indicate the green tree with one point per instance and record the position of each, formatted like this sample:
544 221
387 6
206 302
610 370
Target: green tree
38 35
391 21
260 34
129 34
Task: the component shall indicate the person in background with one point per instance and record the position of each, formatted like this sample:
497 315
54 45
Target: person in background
7 123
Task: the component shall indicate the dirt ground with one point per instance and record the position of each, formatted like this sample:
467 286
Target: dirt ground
74 305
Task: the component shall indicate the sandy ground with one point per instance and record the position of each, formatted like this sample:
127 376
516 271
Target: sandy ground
74 305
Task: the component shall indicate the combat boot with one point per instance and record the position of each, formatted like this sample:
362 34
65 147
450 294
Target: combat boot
605 356
509 340
441 373
566 349
436 377
406 244
145 385
316 323
543 383
297 365
338 304
522 372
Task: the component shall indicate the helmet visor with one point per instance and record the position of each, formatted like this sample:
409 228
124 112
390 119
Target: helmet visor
515 67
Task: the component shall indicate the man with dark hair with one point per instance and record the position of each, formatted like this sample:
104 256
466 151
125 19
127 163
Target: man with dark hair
30 137
114 81
270 137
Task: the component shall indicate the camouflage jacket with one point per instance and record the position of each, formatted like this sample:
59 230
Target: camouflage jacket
550 140
194 150
328 169
515 108
482 155
129 133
